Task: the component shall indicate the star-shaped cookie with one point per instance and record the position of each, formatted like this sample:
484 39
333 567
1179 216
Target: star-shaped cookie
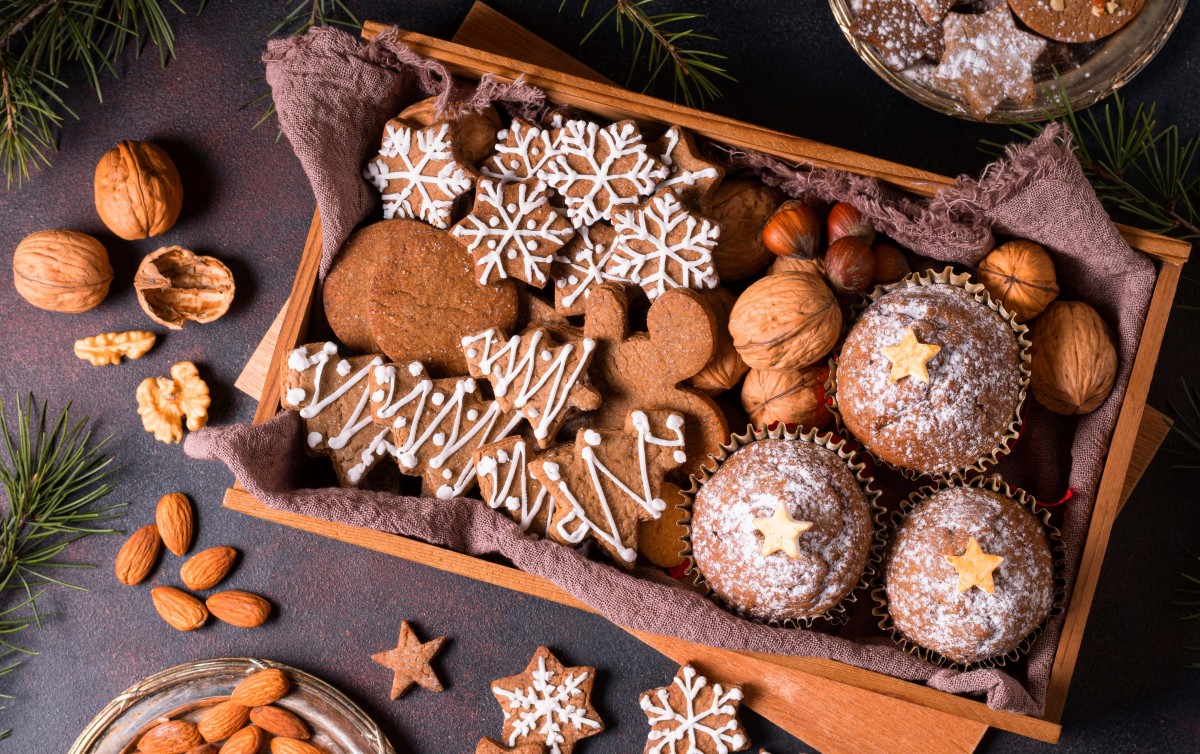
548 704
897 32
419 172
410 662
988 60
488 746
975 568
693 716
781 532
910 358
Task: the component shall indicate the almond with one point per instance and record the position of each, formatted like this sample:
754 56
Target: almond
176 522
279 722
172 737
222 720
241 609
137 556
292 746
207 568
248 740
203 749
178 608
261 688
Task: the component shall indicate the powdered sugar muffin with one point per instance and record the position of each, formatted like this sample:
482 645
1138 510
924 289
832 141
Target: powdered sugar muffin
929 378
969 574
782 531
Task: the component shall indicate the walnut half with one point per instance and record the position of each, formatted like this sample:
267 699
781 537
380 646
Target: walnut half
164 403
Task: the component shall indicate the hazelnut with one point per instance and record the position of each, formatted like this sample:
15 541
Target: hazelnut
726 367
138 191
61 271
845 220
793 231
890 264
785 321
741 207
1073 359
849 265
1021 276
175 286
794 397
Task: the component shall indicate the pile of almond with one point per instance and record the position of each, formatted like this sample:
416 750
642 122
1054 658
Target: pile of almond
174 527
245 721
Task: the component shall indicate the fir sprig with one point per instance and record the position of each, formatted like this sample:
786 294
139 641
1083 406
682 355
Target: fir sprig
658 41
1144 172
53 476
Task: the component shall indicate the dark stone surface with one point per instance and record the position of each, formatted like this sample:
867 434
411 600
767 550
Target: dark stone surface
247 202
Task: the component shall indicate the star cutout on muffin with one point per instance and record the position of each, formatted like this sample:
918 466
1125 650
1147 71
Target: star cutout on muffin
781 532
975 568
910 358
410 662
988 59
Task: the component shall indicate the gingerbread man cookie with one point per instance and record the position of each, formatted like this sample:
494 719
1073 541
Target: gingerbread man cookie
419 173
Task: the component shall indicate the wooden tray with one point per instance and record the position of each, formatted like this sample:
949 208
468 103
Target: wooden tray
829 705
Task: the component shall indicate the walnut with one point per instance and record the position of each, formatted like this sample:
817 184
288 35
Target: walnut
109 347
175 286
1073 358
792 264
61 271
788 320
741 207
138 191
726 367
794 397
164 403
1021 276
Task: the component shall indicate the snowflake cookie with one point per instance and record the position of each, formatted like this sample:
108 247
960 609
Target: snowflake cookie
599 169
691 177
522 150
548 704
662 245
580 266
690 716
513 231
506 483
419 173
488 746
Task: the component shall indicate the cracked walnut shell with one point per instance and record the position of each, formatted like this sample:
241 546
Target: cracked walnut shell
1073 359
164 403
175 286
138 191
788 320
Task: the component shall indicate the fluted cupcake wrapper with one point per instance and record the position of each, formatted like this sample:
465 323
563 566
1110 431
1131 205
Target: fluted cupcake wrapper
837 614
963 280
995 484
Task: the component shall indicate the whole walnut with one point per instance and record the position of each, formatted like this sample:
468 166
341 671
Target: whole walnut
788 320
726 366
794 397
792 264
741 207
1021 276
138 191
61 271
1073 359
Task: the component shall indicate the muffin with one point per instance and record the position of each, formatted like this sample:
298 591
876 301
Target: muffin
969 575
782 531
930 379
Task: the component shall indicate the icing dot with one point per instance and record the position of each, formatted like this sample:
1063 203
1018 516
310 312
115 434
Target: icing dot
674 421
314 439
546 355
511 254
445 492
512 503
472 415
572 279
400 422
378 395
438 399
560 283
343 367
447 473
591 437
472 353
298 360
486 465
439 439
533 413
530 225
408 460
329 348
415 368
551 470
502 456
494 221
680 457
295 395
510 208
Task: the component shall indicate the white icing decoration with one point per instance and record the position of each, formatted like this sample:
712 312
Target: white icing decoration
691 723
434 194
532 147
295 395
510 481
545 708
680 177
645 254
314 439
343 367
585 260
528 228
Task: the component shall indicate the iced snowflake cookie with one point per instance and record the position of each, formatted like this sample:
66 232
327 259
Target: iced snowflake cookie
435 426
522 150
598 169
693 716
419 173
988 60
488 746
330 394
613 481
512 231
548 704
690 176
507 484
581 265
532 373
662 245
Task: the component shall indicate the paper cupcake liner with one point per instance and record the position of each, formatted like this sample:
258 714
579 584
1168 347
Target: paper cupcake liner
1058 550
962 280
837 614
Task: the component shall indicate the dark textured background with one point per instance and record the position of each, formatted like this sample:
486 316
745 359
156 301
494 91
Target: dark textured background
247 201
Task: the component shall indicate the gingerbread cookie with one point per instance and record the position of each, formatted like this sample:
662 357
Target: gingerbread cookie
330 394
662 245
474 133
424 300
988 60
436 425
409 662
898 33
1076 20
534 311
690 176
512 231
581 265
548 704
522 150
532 373
612 482
662 540
599 169
693 716
506 483
488 746
933 11
419 173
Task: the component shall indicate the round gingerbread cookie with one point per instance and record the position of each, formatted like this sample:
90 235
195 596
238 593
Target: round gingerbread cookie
424 301
1076 20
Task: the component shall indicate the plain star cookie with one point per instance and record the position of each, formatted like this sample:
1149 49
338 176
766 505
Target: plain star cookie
690 176
988 60
692 716
662 245
409 662
419 173
548 704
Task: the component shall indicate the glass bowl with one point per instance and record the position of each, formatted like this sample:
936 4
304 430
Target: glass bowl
339 726
1112 63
